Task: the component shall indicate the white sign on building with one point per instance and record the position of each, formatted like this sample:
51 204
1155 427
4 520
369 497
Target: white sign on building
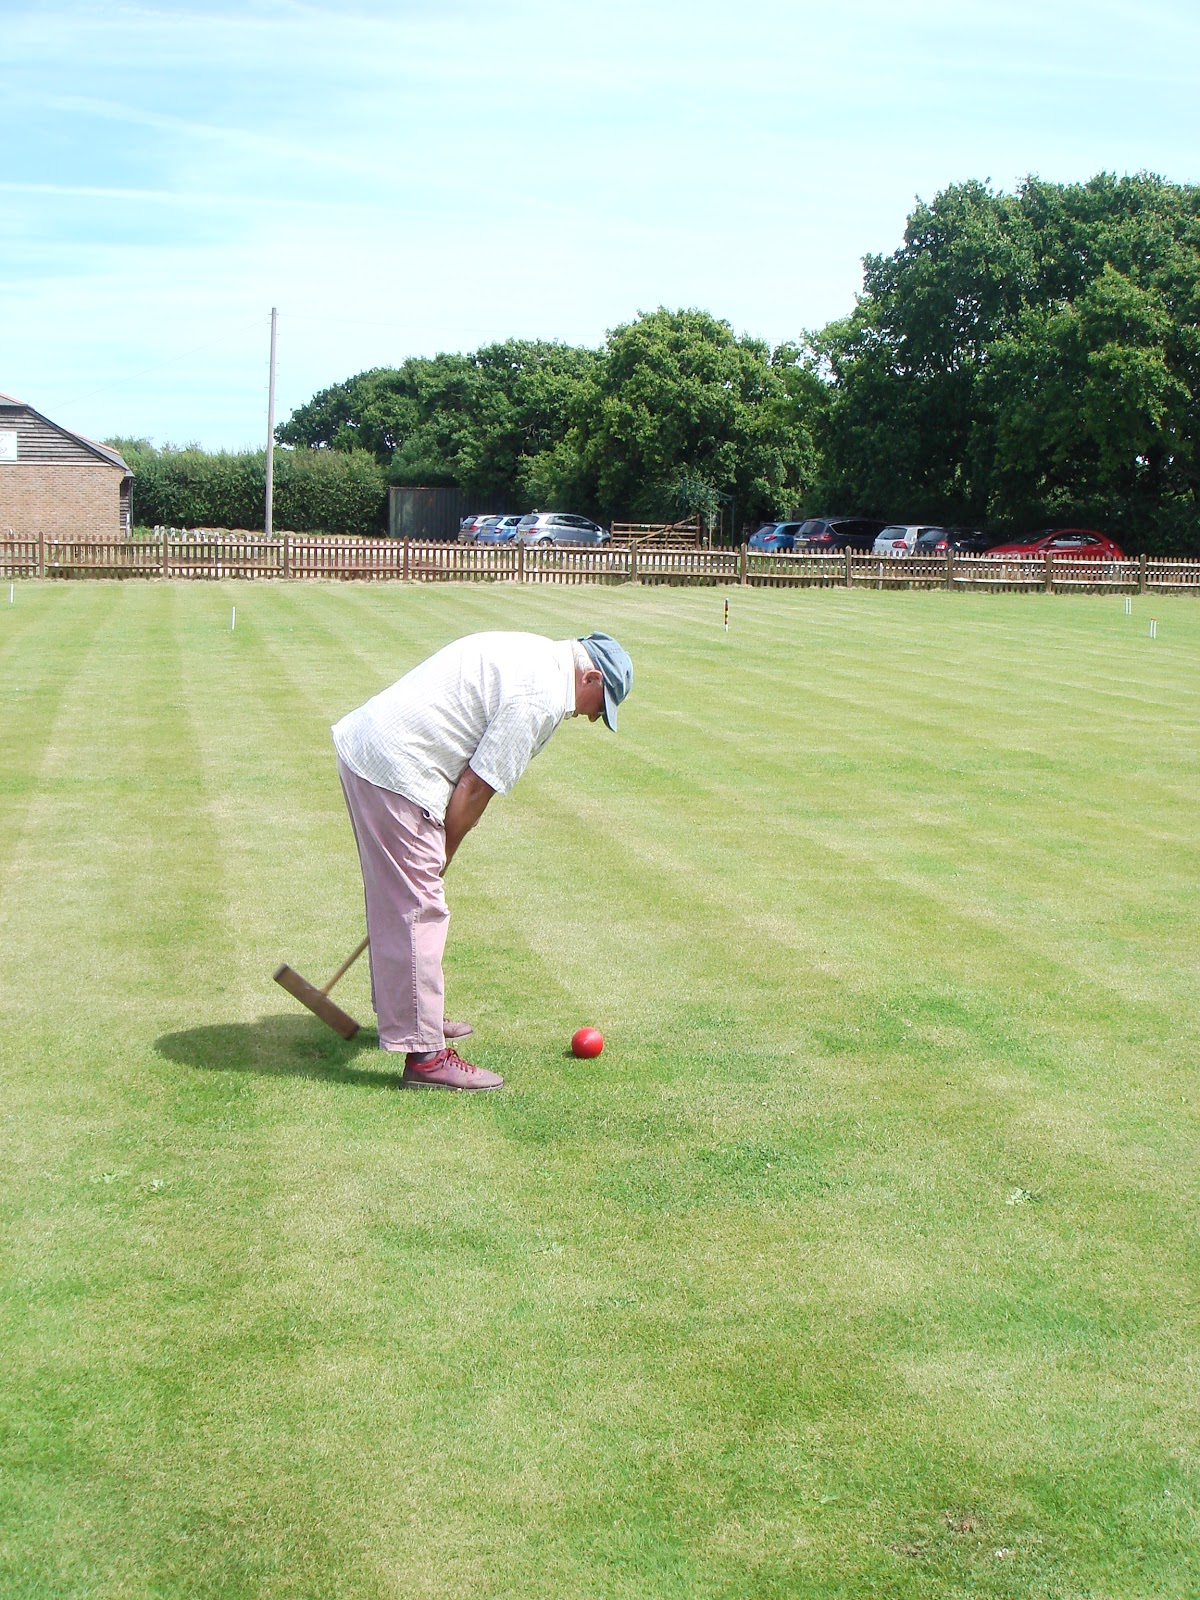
8 444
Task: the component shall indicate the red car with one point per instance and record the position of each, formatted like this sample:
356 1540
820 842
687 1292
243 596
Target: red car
1084 543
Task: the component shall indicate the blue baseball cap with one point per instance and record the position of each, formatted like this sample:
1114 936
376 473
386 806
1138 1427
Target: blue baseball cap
615 667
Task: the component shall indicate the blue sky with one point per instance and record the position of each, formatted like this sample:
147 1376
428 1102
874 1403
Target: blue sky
403 176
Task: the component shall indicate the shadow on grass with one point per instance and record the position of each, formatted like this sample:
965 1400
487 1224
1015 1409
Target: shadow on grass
280 1046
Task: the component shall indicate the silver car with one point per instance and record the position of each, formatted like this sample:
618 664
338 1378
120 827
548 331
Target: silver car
470 528
898 538
560 527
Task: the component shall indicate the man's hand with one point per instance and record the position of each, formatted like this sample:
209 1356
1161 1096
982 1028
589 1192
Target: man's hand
467 805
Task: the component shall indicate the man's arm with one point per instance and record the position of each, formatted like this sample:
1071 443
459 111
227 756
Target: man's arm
467 804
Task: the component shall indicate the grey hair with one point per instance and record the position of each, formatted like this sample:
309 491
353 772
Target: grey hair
583 661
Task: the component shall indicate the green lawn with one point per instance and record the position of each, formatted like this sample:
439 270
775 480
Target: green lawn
863 1262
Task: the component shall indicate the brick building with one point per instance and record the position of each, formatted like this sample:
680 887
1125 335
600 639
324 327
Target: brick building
56 482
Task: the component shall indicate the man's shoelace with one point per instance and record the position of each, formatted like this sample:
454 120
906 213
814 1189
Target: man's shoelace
445 1058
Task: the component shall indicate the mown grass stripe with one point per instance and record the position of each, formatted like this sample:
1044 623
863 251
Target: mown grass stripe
40 658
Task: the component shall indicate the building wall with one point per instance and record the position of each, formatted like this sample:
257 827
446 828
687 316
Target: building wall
67 500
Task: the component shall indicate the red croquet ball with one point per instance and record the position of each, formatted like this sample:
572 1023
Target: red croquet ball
587 1042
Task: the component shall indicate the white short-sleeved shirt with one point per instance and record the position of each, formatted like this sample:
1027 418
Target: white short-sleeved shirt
489 701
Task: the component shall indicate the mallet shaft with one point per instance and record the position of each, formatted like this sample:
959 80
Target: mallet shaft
347 964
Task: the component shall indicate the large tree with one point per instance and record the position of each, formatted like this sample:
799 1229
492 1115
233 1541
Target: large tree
1026 357
683 414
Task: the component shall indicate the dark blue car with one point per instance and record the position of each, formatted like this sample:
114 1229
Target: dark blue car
775 538
502 531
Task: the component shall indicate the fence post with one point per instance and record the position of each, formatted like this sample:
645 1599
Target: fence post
287 555
1142 573
520 561
1049 573
633 577
404 569
41 552
742 564
166 570
849 577
949 568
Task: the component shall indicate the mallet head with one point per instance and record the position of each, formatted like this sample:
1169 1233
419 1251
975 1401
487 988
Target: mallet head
317 1002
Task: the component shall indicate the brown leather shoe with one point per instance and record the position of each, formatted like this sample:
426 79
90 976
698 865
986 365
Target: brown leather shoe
456 1030
448 1070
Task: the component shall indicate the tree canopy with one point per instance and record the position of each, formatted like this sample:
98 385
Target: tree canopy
1025 358
482 421
1020 359
681 413
673 414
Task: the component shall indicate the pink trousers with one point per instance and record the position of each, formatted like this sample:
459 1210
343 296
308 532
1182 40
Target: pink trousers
402 851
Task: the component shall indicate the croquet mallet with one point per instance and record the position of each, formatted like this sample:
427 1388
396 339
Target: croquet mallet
317 1000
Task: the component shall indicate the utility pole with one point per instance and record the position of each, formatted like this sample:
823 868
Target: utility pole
271 431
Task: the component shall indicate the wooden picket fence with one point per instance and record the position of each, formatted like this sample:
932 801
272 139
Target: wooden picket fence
202 554
678 535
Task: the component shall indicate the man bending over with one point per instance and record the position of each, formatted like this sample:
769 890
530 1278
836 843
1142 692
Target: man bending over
418 765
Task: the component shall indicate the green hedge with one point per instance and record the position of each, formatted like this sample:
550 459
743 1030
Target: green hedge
316 491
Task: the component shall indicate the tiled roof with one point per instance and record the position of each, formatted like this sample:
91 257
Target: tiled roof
105 450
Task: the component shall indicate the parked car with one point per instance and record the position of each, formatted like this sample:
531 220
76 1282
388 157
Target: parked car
900 538
502 531
775 537
837 533
968 541
560 527
1084 544
470 528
